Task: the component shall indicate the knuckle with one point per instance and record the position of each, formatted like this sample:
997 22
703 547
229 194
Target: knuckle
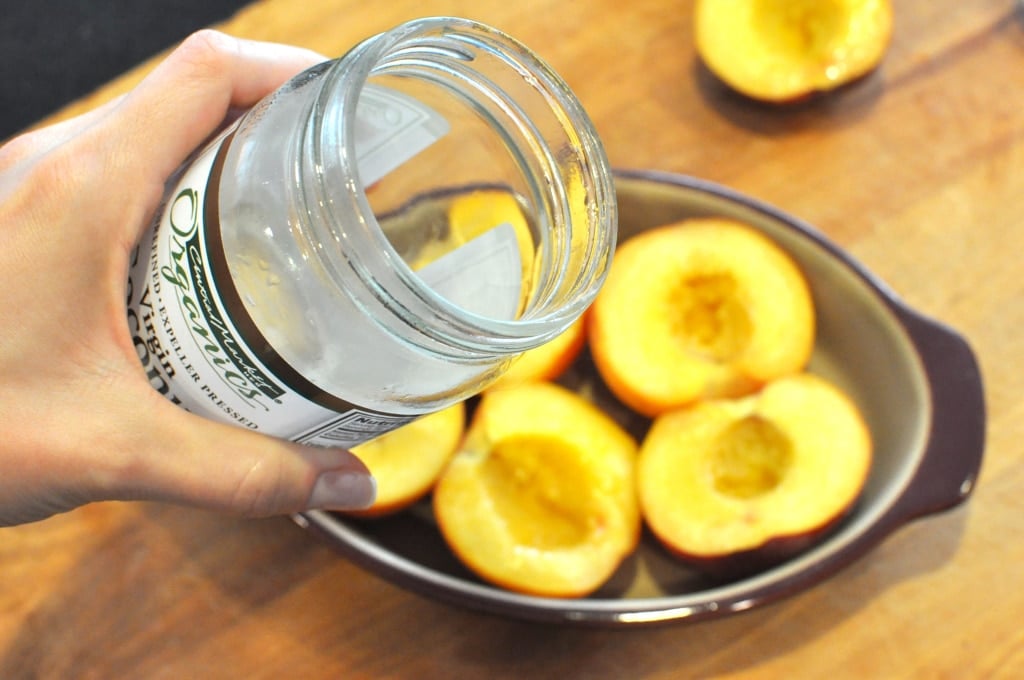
67 169
206 51
37 187
261 490
20 149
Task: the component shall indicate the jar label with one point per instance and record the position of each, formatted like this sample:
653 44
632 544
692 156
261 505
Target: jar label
186 337
190 346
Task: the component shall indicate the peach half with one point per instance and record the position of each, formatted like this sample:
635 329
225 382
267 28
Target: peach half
407 462
699 309
734 486
785 50
541 497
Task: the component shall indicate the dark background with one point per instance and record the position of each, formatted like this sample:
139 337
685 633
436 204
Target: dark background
54 51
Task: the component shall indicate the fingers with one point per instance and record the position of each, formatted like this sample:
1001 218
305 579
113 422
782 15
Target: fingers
201 463
196 461
58 183
187 96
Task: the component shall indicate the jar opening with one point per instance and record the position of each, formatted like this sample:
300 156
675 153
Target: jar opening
478 211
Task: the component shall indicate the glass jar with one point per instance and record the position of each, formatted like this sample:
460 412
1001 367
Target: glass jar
376 240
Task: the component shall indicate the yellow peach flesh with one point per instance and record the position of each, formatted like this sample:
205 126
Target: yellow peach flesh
781 50
704 308
728 476
541 498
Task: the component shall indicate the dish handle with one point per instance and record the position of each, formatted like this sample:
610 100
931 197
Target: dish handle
949 468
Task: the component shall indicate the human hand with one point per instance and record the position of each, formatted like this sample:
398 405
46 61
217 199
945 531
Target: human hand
80 422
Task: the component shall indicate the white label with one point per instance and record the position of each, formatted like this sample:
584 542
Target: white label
483 276
390 129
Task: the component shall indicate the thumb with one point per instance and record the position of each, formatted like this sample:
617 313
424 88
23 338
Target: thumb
202 463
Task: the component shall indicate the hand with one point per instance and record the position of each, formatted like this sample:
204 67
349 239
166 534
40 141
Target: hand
78 420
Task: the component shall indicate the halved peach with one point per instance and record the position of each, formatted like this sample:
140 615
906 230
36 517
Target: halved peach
407 462
548 361
785 50
541 497
734 486
699 309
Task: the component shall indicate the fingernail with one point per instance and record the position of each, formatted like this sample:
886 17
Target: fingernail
343 490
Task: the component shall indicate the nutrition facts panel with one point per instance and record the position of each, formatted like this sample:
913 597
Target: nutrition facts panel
352 428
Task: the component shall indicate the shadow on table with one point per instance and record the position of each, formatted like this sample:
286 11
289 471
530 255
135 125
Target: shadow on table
838 108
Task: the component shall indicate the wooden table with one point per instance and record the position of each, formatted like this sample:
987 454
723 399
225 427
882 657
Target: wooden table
917 170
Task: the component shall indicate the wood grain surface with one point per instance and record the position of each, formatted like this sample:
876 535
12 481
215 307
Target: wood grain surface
917 170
